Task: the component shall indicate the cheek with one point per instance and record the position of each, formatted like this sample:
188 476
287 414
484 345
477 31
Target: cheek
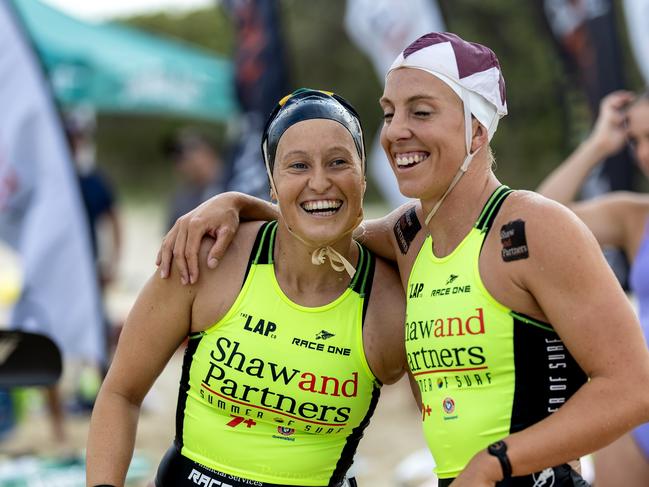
286 188
383 136
641 154
356 191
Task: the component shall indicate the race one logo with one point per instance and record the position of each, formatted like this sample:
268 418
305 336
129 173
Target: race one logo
449 405
285 431
451 278
324 335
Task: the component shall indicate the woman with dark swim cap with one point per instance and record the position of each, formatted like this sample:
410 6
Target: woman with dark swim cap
525 350
289 340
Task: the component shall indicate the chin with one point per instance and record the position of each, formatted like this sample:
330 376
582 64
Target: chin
411 189
318 235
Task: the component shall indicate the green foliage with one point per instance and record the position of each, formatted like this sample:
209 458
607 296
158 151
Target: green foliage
208 28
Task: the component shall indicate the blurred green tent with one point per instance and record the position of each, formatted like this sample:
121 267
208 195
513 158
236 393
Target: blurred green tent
118 69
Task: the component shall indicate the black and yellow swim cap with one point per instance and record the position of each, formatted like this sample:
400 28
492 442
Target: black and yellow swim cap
308 104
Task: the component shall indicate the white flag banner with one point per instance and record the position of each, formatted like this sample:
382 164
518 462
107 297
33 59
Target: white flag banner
637 21
382 29
41 212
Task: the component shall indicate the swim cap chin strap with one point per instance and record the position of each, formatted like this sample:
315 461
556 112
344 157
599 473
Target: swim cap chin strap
469 155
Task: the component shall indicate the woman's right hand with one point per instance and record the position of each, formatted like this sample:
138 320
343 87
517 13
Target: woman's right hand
609 134
218 217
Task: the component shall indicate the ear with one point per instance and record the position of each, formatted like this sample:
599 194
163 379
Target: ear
480 136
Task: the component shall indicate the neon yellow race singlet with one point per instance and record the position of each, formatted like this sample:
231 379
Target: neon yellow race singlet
277 392
484 371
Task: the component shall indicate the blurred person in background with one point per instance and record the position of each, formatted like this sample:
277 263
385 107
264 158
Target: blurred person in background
105 230
200 169
290 338
621 220
518 335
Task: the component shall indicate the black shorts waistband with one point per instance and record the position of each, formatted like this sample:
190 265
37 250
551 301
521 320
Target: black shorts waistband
559 476
176 470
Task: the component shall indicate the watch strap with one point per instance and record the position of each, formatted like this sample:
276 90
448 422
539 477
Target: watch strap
499 450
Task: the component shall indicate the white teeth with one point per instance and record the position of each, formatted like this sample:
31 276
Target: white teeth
403 160
322 205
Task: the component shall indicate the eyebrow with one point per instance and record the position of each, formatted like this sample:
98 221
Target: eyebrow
411 99
329 149
295 152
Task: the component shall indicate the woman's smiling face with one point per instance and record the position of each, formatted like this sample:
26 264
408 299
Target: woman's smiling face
423 132
319 180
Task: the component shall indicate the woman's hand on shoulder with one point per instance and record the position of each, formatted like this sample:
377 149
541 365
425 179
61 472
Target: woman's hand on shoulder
218 218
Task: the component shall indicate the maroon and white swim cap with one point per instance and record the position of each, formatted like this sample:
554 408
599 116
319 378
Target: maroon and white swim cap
471 70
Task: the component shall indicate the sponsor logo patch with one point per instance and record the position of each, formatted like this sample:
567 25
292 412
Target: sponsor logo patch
449 405
285 431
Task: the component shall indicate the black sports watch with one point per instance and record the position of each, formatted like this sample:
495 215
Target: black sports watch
499 450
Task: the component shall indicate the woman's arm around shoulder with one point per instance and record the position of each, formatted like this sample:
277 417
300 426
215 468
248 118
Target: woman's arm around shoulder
396 237
384 331
226 280
218 218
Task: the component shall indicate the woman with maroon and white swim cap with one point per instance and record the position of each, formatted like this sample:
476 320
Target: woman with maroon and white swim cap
511 306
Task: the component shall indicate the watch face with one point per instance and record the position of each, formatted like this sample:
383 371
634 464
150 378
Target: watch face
497 447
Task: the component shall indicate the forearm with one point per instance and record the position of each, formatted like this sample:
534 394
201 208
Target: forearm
374 234
251 208
564 182
378 234
601 411
111 439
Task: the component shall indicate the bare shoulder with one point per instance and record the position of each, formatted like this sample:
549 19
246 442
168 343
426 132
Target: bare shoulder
240 247
383 333
543 226
541 214
217 289
533 239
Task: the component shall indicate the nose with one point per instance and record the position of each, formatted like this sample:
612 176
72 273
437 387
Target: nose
396 128
319 181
